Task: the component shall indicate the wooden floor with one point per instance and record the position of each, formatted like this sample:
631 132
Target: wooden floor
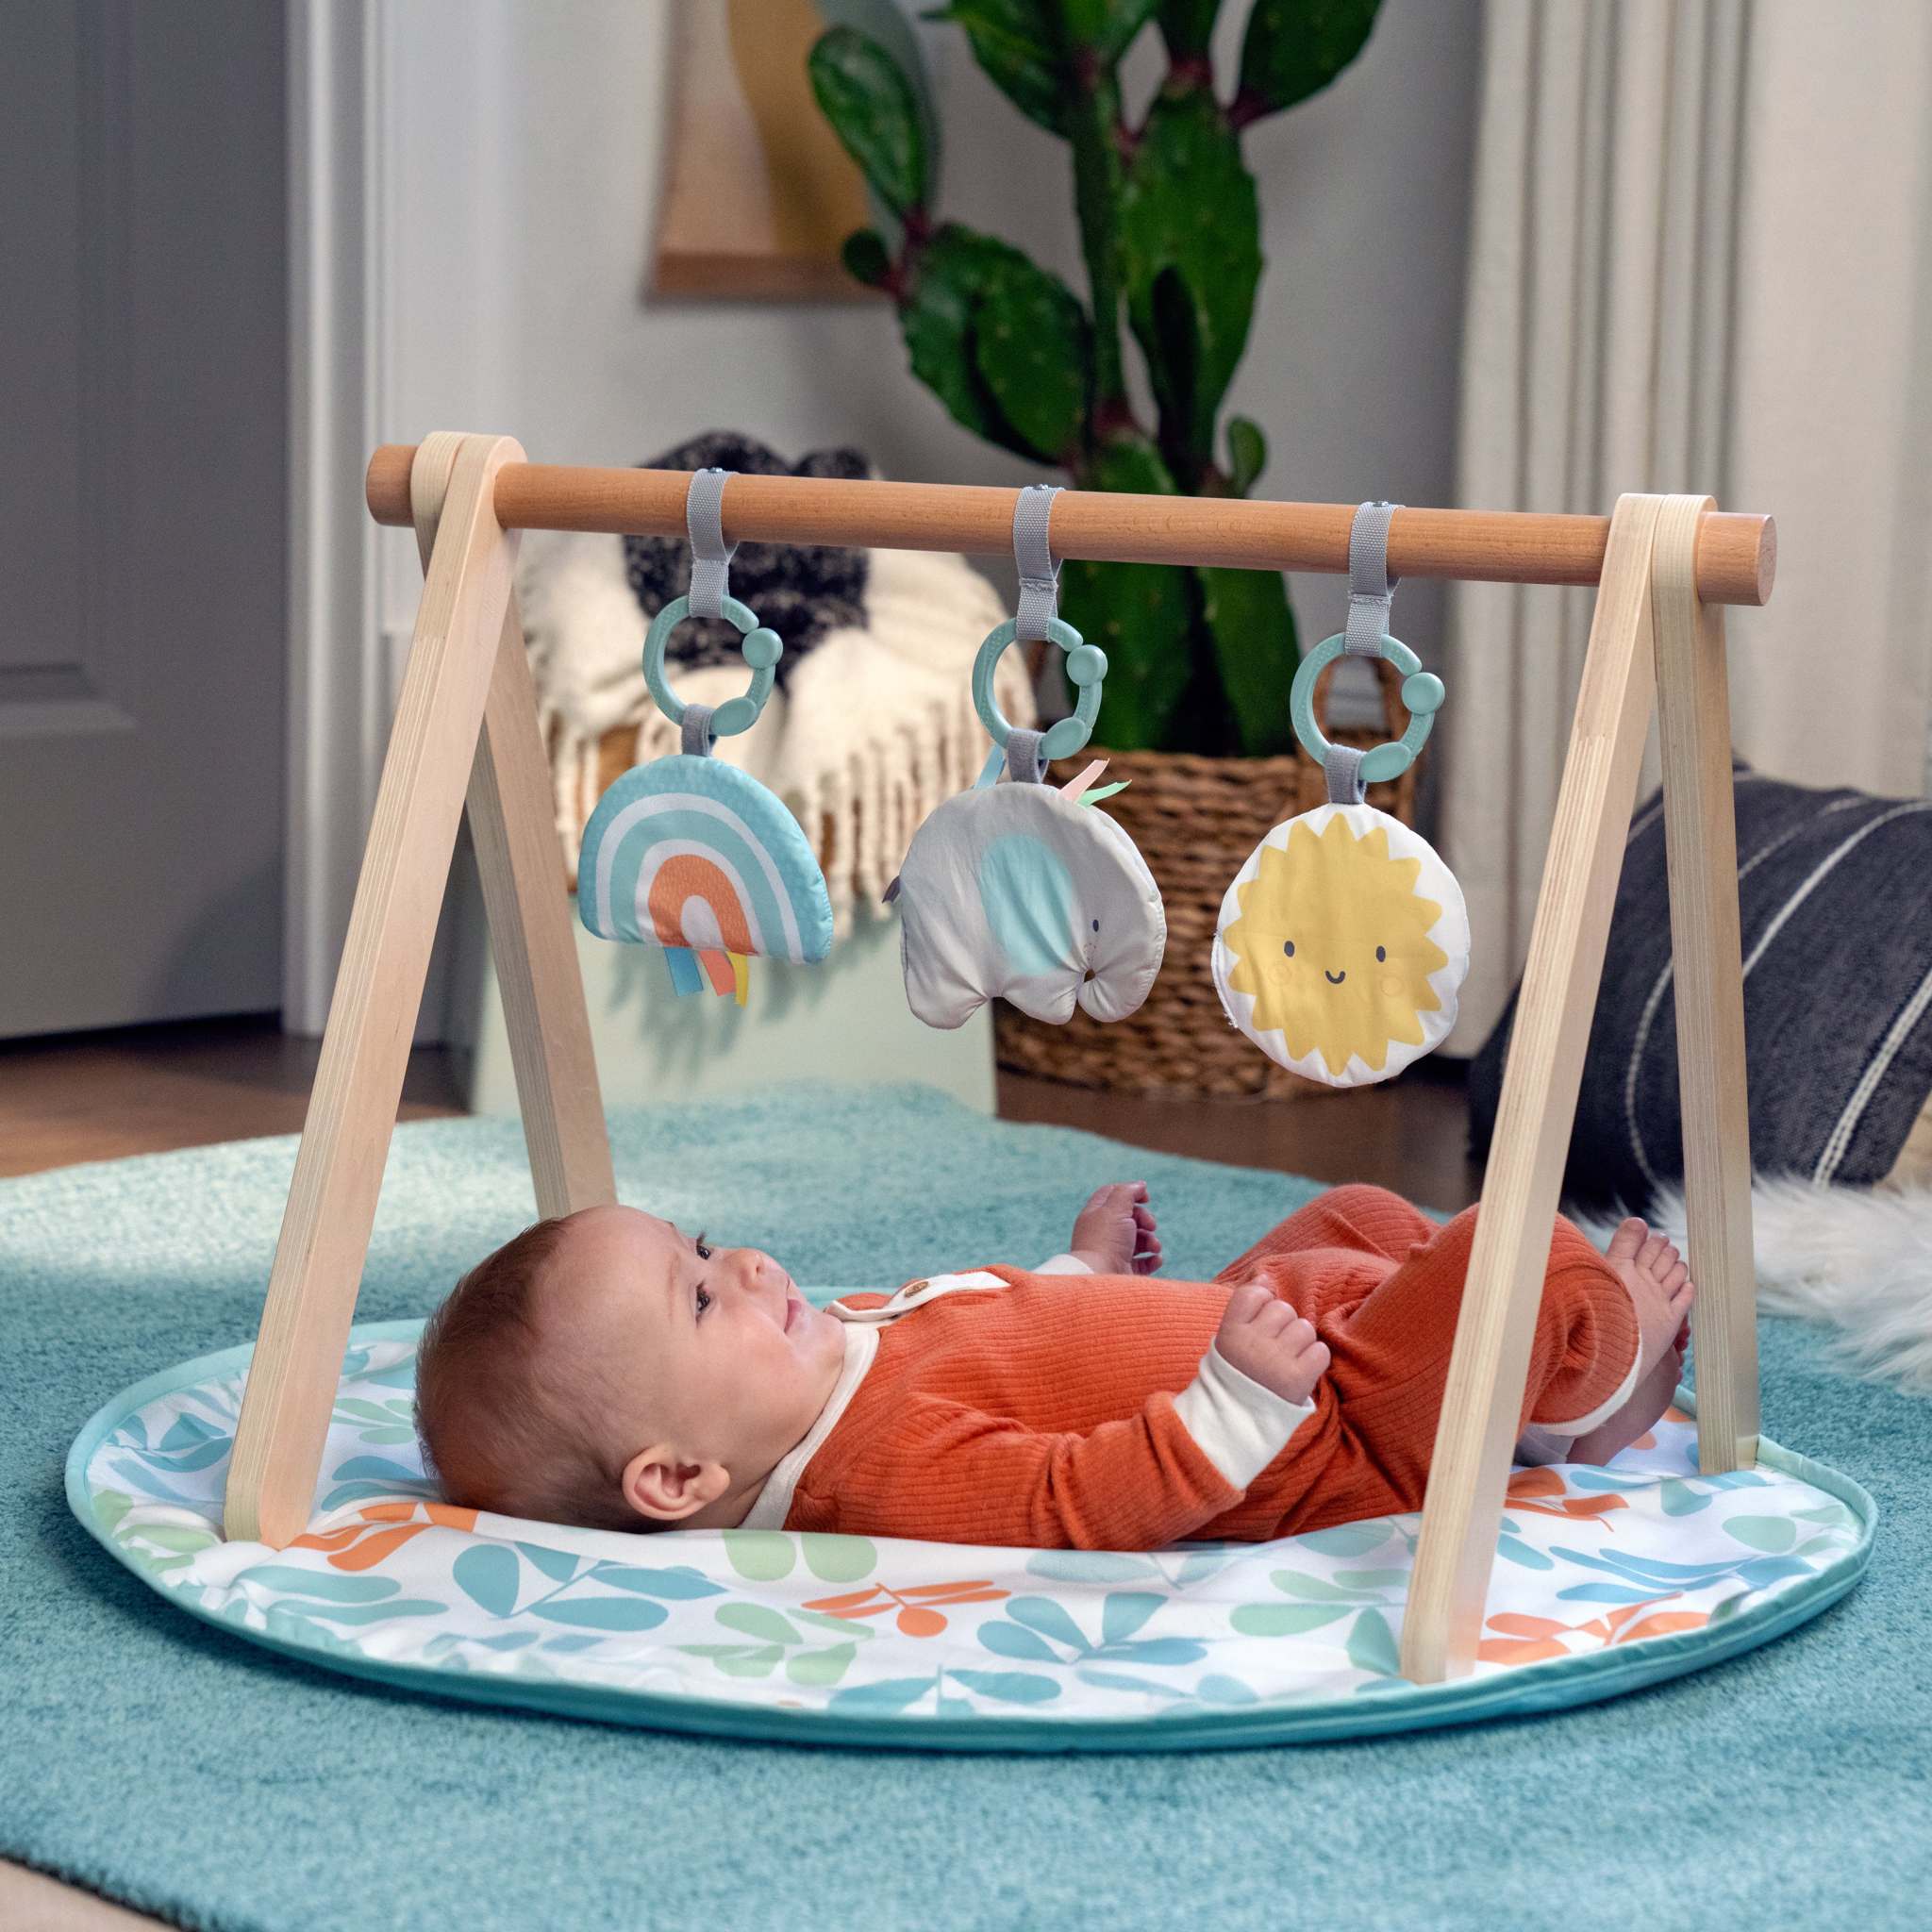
141 1090
1410 1135
100 1096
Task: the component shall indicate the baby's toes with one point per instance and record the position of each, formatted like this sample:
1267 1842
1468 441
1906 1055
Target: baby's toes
1627 1242
1655 1255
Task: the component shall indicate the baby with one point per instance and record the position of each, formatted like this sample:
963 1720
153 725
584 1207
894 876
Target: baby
609 1370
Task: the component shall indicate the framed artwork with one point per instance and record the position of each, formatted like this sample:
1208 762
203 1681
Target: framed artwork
757 195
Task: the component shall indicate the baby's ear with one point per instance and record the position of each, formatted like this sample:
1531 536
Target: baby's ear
660 1484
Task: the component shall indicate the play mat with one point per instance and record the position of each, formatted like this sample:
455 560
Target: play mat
1608 1580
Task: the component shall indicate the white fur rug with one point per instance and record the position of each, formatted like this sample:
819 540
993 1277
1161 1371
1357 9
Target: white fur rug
1858 1260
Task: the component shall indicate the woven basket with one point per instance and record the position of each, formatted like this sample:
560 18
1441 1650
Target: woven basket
1195 820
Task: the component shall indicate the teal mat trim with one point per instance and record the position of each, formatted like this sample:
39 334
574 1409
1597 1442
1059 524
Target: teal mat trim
1554 1684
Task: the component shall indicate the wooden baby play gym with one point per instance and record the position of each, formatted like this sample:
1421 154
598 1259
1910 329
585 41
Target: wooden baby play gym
465 732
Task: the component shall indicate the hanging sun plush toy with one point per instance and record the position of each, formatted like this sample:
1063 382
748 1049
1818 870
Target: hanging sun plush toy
1342 941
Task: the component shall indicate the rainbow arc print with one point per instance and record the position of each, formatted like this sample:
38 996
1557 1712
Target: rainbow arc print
714 880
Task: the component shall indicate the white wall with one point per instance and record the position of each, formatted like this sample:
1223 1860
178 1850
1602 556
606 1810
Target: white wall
518 151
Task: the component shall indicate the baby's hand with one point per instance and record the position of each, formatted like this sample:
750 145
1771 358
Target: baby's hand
1263 1336
1115 1233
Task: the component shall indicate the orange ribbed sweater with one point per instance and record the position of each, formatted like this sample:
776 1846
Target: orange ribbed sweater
1043 1413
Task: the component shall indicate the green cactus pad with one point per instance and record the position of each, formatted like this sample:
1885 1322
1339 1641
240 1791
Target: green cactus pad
1247 615
1139 613
1294 48
866 257
1014 45
1247 453
938 319
1188 26
862 91
1191 255
1105 29
1033 351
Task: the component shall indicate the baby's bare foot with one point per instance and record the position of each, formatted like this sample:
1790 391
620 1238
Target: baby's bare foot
1660 1284
1115 1232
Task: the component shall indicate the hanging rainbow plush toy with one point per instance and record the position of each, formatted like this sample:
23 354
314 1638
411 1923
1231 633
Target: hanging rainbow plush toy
1342 942
687 852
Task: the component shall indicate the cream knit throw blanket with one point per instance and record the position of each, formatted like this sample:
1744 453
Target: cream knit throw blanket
874 728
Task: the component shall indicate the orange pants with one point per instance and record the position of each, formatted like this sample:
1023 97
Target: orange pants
1382 1286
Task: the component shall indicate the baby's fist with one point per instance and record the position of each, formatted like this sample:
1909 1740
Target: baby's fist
1263 1336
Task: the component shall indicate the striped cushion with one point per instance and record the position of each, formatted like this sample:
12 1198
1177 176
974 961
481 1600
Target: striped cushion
1838 999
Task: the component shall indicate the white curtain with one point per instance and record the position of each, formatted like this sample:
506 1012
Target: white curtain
1701 259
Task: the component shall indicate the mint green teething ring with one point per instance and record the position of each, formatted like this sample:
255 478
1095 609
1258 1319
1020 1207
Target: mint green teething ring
1422 692
763 649
1086 667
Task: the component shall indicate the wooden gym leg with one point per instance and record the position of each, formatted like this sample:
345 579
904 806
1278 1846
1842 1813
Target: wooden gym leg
512 825
1701 844
1462 1512
365 1048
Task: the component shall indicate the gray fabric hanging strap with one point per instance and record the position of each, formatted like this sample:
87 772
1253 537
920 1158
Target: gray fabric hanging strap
697 730
1040 569
1026 761
1371 588
710 555
1342 768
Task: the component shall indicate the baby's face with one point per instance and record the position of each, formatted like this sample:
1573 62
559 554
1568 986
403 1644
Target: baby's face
712 1349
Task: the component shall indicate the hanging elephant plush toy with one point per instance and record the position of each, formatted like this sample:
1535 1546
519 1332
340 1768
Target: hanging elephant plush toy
1017 888
1343 939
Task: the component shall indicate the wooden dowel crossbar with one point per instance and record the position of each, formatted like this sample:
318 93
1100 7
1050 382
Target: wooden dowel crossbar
467 713
1736 554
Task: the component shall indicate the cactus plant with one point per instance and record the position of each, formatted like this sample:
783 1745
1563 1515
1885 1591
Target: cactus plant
1170 230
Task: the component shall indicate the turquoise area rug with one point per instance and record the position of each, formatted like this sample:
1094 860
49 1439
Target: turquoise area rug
168 1765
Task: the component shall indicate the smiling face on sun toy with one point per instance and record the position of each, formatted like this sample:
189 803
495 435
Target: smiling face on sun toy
1341 946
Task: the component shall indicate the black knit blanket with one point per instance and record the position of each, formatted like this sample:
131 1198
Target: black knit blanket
801 590
1835 899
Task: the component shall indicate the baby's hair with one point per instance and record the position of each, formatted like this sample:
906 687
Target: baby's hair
500 1428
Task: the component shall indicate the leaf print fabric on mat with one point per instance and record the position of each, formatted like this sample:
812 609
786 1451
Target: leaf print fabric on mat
766 1630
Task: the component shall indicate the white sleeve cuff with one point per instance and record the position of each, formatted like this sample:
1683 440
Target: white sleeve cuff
1240 1426
1064 1264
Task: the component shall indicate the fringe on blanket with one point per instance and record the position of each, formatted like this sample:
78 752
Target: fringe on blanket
873 729
1857 1259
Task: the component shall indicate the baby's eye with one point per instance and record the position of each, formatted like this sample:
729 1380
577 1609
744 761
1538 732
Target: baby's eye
704 1253
704 1301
